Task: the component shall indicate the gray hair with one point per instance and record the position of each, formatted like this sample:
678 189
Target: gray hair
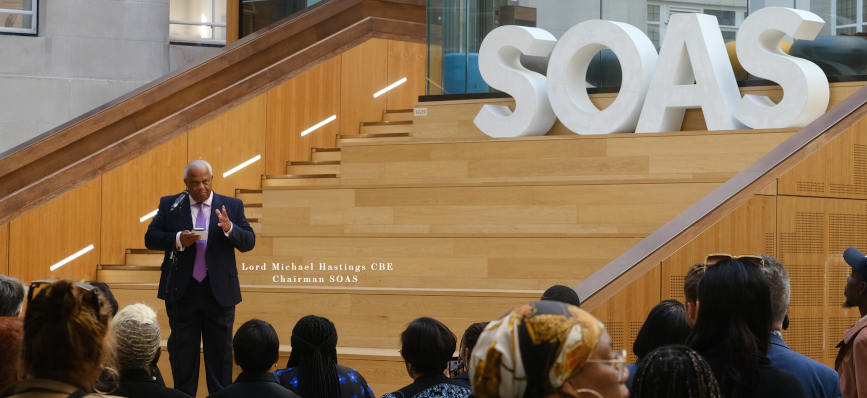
11 296
781 290
137 333
197 164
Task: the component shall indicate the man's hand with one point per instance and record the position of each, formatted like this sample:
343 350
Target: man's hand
188 238
224 220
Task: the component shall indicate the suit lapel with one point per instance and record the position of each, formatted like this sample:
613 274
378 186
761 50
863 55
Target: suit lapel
213 228
186 216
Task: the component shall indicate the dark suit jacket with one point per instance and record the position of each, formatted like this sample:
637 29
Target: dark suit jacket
220 252
140 384
255 384
772 382
819 380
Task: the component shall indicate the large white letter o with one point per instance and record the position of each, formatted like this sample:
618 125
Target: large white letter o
567 71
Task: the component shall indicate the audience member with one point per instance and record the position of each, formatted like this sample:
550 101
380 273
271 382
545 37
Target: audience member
66 340
852 358
665 325
733 328
11 296
256 349
137 336
468 342
563 294
818 379
674 371
427 346
312 370
544 349
11 336
690 281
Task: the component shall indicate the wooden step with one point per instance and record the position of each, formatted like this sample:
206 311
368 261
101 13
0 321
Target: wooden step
314 167
385 127
397 115
253 210
249 195
325 154
144 257
292 180
372 139
129 273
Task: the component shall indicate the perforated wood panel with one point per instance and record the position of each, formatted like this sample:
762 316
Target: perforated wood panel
837 170
805 336
634 327
749 229
618 335
624 313
803 278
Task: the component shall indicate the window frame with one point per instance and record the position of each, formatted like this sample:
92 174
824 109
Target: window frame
34 13
211 25
859 23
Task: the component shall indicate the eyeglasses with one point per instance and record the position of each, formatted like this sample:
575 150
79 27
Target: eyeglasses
43 283
618 362
712 259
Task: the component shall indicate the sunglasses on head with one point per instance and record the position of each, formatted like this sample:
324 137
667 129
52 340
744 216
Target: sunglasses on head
712 259
44 283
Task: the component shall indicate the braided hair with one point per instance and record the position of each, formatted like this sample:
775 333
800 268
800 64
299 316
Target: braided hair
314 352
674 371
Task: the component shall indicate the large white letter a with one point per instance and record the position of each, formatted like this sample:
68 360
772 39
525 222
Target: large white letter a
693 51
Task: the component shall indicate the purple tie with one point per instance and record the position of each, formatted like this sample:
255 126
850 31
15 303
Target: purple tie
200 271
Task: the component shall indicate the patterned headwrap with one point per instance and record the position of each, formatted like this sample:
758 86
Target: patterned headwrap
532 350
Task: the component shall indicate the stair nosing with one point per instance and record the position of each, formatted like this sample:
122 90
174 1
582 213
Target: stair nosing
253 205
129 267
312 163
144 251
387 123
296 176
383 135
239 190
384 111
325 149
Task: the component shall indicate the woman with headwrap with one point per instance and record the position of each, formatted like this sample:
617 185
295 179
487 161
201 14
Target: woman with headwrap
547 349
312 370
426 347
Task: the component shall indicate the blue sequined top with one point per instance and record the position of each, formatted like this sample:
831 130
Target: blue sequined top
352 384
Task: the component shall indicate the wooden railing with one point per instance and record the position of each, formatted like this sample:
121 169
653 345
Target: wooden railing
635 262
84 148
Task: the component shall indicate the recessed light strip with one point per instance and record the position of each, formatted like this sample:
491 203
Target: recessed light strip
148 216
241 166
385 90
318 125
72 257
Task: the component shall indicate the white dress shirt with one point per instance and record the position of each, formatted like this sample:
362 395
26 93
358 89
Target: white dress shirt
194 209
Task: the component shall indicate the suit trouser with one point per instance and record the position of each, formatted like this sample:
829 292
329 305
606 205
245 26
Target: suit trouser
200 316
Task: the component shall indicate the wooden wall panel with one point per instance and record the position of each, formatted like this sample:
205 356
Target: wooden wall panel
624 314
229 140
133 190
813 233
364 71
4 249
837 170
750 229
297 105
407 60
233 20
53 232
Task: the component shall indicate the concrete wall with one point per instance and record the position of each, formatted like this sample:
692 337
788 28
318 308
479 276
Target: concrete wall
87 53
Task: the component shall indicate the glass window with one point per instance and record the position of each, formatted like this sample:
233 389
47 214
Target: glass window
729 36
197 21
18 16
846 31
846 10
725 18
653 34
652 13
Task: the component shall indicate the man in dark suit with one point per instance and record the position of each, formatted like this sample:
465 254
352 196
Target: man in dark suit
257 349
206 288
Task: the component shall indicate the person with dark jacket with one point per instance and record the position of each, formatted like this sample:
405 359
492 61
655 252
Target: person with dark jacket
137 335
733 329
257 349
427 346
468 342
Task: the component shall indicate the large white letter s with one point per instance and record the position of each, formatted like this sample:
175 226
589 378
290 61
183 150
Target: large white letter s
500 66
805 88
